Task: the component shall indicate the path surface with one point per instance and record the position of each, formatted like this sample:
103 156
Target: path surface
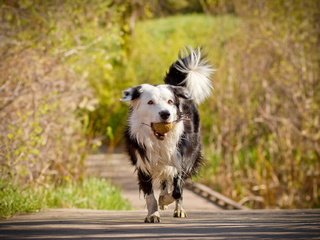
233 224
204 220
117 168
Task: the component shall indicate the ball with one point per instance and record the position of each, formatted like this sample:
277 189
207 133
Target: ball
162 127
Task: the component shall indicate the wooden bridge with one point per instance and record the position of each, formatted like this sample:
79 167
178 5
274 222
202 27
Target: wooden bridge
231 224
206 217
117 168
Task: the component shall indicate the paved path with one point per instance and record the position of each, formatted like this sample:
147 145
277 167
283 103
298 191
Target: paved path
233 224
117 168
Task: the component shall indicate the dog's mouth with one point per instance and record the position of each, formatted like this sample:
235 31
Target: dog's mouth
160 129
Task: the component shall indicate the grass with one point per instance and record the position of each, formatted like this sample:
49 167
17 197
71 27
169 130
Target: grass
156 43
14 200
92 193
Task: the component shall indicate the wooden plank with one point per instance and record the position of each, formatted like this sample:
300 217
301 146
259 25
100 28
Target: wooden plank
117 168
213 196
95 224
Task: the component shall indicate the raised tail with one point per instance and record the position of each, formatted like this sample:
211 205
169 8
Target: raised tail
192 71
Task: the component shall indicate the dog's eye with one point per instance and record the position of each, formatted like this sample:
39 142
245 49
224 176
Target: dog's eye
150 102
170 102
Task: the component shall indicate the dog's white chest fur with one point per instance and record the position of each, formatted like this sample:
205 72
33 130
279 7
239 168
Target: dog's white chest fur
162 157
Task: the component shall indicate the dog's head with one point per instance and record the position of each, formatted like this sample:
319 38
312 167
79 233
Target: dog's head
153 104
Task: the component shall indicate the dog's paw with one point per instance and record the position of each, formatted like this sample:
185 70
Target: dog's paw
153 218
180 213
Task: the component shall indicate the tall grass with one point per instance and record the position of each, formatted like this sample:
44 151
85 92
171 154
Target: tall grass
52 56
265 125
260 126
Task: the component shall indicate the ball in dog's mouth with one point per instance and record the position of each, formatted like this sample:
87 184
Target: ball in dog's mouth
160 129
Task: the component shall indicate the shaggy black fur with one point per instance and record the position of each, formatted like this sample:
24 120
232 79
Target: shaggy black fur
145 182
174 76
134 148
189 145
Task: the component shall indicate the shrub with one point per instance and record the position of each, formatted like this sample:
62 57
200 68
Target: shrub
54 55
264 138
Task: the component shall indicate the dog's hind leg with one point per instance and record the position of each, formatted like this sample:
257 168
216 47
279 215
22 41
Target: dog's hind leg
179 211
145 184
165 197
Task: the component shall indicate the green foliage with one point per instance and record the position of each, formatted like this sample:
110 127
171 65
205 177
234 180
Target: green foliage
54 56
36 110
265 109
15 200
153 47
260 128
160 8
157 42
91 193
51 52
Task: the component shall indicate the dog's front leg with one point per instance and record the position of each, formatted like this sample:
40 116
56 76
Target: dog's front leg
179 211
145 184
153 211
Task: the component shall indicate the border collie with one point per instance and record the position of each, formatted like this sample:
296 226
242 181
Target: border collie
165 160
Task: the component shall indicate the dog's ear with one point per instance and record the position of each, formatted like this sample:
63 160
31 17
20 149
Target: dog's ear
131 94
181 92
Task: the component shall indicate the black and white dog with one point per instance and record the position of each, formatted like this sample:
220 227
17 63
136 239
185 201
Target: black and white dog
165 160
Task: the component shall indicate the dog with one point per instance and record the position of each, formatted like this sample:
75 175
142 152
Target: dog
166 158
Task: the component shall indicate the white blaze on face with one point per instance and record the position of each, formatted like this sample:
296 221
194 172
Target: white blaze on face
153 100
147 108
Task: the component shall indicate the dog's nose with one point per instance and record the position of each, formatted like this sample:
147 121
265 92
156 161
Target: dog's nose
164 114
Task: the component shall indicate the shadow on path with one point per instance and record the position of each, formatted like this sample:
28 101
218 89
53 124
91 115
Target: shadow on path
80 224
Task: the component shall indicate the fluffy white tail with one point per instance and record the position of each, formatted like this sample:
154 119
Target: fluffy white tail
198 72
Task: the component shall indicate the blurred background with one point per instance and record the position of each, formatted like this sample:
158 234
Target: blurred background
64 64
